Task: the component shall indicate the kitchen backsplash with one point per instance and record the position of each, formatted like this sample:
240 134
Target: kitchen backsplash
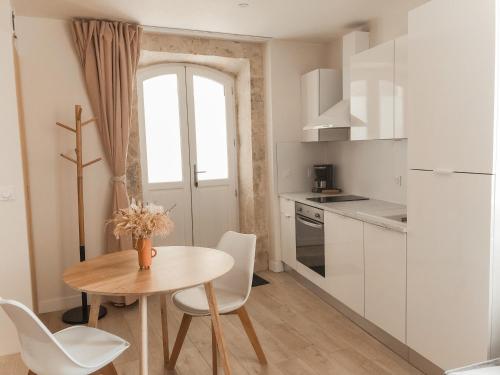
376 169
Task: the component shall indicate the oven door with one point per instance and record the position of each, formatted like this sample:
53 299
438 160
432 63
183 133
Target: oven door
310 243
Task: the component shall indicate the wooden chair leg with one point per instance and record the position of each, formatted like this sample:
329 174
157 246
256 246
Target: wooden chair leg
252 336
186 321
214 351
215 317
164 328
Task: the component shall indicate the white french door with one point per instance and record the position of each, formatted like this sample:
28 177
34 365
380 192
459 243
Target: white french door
188 150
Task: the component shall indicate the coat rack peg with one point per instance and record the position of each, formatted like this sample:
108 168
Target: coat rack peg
80 315
68 158
89 121
66 127
91 162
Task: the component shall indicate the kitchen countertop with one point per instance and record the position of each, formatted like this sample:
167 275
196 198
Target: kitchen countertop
371 211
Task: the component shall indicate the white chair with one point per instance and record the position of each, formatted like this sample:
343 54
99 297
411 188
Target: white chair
232 291
77 350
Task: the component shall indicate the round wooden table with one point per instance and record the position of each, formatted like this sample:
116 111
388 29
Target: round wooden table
174 268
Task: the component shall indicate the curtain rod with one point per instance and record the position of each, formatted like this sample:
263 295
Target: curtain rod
202 33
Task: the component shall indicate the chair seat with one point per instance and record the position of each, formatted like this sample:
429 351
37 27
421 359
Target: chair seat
91 347
194 301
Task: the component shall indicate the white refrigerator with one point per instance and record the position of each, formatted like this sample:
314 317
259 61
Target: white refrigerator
452 285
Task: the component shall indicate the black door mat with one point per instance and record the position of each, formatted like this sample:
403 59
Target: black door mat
258 281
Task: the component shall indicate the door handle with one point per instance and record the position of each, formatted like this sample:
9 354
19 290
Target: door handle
196 172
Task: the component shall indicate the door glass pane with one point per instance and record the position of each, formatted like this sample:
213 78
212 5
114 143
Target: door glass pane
211 129
162 124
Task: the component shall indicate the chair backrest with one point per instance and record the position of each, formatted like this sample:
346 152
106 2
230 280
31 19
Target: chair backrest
39 349
242 248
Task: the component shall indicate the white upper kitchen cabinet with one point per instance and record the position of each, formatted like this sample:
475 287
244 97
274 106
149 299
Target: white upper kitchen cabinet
400 86
320 90
372 93
450 267
385 279
344 260
287 232
451 66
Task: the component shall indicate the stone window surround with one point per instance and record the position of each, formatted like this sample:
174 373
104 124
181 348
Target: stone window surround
245 61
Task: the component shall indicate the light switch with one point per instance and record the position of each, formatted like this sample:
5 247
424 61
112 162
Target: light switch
7 193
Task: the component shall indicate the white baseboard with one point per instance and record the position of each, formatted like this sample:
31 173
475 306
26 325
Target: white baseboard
57 304
276 266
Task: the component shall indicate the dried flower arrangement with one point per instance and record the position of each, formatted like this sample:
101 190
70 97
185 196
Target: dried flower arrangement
142 221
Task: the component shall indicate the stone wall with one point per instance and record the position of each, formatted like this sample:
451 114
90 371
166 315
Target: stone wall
245 61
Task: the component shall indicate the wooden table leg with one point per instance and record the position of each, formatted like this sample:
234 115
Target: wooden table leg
94 310
214 312
164 328
143 360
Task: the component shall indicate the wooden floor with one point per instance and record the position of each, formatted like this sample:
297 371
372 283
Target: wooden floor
299 333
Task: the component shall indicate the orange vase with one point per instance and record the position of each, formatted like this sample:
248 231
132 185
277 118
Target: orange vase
145 252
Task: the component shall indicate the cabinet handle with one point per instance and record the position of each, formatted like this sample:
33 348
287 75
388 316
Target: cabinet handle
442 171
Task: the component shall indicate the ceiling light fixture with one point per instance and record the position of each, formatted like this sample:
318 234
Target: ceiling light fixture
243 5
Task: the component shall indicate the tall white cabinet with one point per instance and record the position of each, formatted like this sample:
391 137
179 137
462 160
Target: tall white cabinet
452 64
452 239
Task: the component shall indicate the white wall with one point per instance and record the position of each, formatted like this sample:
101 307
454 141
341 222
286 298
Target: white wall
285 63
15 279
394 24
52 84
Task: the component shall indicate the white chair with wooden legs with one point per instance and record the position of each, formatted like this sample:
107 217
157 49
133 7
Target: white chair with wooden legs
77 350
232 291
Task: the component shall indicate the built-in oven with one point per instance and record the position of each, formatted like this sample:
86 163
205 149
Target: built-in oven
310 237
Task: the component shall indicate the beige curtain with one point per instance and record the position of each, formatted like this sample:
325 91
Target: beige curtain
109 54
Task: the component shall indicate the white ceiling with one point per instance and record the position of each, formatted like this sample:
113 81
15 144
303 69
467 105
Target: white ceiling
287 19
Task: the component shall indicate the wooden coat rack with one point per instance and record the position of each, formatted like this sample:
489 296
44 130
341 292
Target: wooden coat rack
80 315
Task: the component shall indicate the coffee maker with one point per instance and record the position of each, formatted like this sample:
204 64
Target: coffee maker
324 177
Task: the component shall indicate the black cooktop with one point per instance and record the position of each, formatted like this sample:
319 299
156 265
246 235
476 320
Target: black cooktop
337 198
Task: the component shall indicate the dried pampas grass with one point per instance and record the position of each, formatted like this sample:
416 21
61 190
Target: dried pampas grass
142 220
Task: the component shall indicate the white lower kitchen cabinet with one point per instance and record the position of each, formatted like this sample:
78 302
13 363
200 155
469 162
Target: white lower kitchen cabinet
385 279
452 284
344 260
287 231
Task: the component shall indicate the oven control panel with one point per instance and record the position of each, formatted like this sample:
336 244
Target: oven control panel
310 212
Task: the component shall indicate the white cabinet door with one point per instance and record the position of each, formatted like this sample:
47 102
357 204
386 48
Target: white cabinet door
451 82
385 279
372 93
449 252
344 260
400 86
287 223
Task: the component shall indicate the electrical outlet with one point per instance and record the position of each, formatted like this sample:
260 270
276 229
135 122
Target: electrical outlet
398 180
7 193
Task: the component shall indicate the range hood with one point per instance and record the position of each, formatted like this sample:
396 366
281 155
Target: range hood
326 95
337 116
